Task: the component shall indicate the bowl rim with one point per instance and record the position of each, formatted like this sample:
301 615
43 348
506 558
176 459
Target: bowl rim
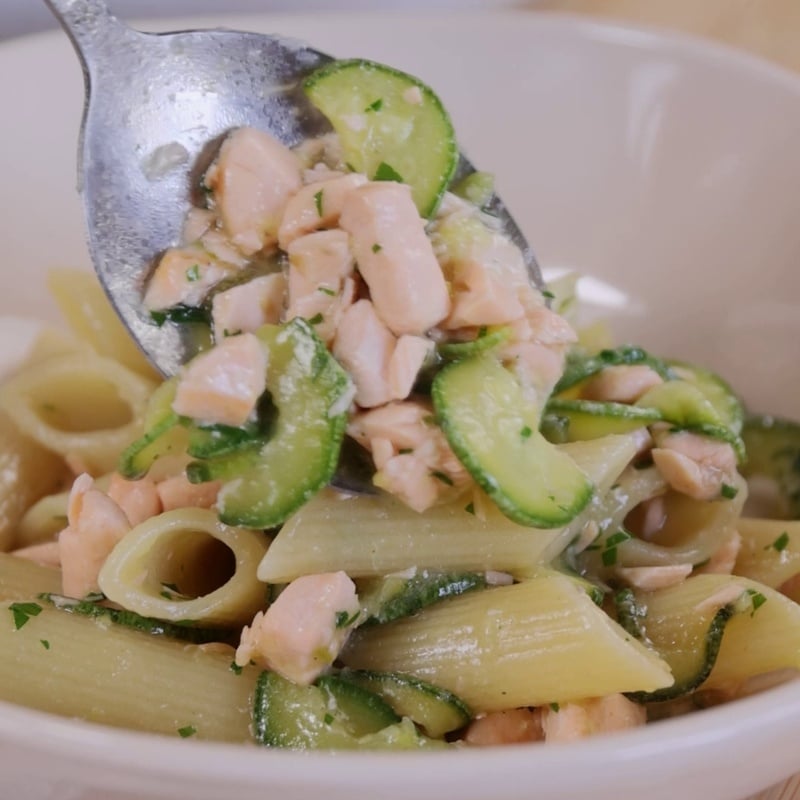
674 740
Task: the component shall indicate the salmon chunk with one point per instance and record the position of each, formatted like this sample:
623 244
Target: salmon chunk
245 308
184 276
96 524
572 721
395 257
252 181
301 633
317 205
223 385
364 347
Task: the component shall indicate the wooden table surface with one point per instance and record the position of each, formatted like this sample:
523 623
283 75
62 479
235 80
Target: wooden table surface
767 28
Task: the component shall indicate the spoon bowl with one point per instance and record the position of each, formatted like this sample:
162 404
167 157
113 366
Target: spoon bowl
155 105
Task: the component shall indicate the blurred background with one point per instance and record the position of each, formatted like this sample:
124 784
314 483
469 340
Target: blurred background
769 28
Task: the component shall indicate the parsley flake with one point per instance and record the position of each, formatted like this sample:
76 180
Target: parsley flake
316 319
555 707
22 612
328 719
318 202
344 620
45 644
781 543
376 106
193 273
728 491
757 599
548 295
526 432
376 248
187 731
235 668
470 508
442 476
327 291
385 172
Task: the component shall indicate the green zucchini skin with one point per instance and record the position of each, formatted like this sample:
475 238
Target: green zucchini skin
147 625
579 366
773 451
632 616
436 710
390 598
401 139
333 714
494 432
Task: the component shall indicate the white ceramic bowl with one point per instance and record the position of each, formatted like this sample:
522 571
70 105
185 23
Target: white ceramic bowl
665 168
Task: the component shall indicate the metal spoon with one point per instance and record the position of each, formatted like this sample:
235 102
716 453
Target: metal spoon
154 102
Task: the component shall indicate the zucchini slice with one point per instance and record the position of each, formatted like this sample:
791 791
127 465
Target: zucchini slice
687 637
580 366
161 434
333 715
310 392
391 597
391 126
717 391
773 451
494 432
437 711
130 619
487 339
590 419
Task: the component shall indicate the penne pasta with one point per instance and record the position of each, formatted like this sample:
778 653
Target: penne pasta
21 579
513 646
86 309
136 680
185 565
27 472
770 550
83 407
376 535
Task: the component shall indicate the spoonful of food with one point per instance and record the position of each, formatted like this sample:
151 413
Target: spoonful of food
159 105
294 242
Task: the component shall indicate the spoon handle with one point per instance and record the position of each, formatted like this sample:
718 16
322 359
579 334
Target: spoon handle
92 28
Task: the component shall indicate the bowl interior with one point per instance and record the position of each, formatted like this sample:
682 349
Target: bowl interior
663 169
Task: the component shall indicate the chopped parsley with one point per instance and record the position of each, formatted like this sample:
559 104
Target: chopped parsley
442 476
376 106
235 668
376 248
193 273
526 432
757 599
555 707
781 543
316 319
181 314
482 331
187 731
22 612
548 295
728 491
318 202
429 419
470 508
45 644
327 291
609 554
404 451
328 719
386 172
344 620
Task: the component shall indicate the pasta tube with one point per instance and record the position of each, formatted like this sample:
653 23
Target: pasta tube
103 672
372 536
21 579
27 472
185 565
84 407
513 646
